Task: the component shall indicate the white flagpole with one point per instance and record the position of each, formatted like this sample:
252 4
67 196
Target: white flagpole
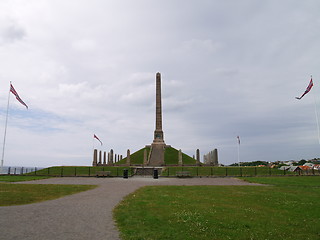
316 113
239 155
5 132
238 138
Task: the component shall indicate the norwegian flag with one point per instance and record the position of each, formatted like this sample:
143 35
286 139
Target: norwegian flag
17 96
307 90
94 136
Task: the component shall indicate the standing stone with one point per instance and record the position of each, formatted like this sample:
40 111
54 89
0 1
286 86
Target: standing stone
111 157
211 158
104 158
215 157
158 145
128 157
198 157
180 157
145 159
95 156
115 158
100 158
206 158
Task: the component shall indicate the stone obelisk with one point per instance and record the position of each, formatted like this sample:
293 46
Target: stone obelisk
158 145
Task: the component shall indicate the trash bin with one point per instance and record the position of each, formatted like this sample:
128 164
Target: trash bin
155 173
125 173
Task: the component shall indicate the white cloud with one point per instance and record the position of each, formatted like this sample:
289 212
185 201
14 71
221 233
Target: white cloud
228 69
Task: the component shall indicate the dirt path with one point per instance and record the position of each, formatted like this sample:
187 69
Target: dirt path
85 215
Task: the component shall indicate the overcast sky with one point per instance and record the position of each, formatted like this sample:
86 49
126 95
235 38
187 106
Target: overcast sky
228 68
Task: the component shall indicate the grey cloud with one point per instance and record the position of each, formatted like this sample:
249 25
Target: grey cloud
11 32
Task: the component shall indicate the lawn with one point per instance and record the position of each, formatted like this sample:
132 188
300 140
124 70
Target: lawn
18 194
288 209
293 181
20 178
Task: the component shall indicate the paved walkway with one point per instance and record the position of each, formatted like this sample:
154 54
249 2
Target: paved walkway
85 215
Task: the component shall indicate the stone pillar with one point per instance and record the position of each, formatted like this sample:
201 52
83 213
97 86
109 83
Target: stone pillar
158 133
215 157
158 145
95 155
128 157
206 158
145 160
99 159
111 157
198 157
180 158
104 158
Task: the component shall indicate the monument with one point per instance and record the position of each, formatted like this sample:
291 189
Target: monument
158 145
153 156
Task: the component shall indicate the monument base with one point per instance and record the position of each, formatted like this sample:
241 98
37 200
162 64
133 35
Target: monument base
157 154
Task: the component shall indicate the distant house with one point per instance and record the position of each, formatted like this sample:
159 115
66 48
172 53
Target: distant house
316 166
305 168
309 164
294 168
284 168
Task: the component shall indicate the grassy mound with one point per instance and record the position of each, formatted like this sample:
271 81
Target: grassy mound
171 157
136 157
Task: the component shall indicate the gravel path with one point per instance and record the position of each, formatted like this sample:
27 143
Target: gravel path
85 215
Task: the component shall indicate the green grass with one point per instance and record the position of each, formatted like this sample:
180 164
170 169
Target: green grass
294 181
136 157
287 210
19 178
18 194
171 156
72 171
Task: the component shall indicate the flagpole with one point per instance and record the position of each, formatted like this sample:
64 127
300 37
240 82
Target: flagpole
92 144
238 138
239 155
316 113
5 132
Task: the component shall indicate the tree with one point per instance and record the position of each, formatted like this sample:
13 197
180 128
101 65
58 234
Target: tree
301 162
